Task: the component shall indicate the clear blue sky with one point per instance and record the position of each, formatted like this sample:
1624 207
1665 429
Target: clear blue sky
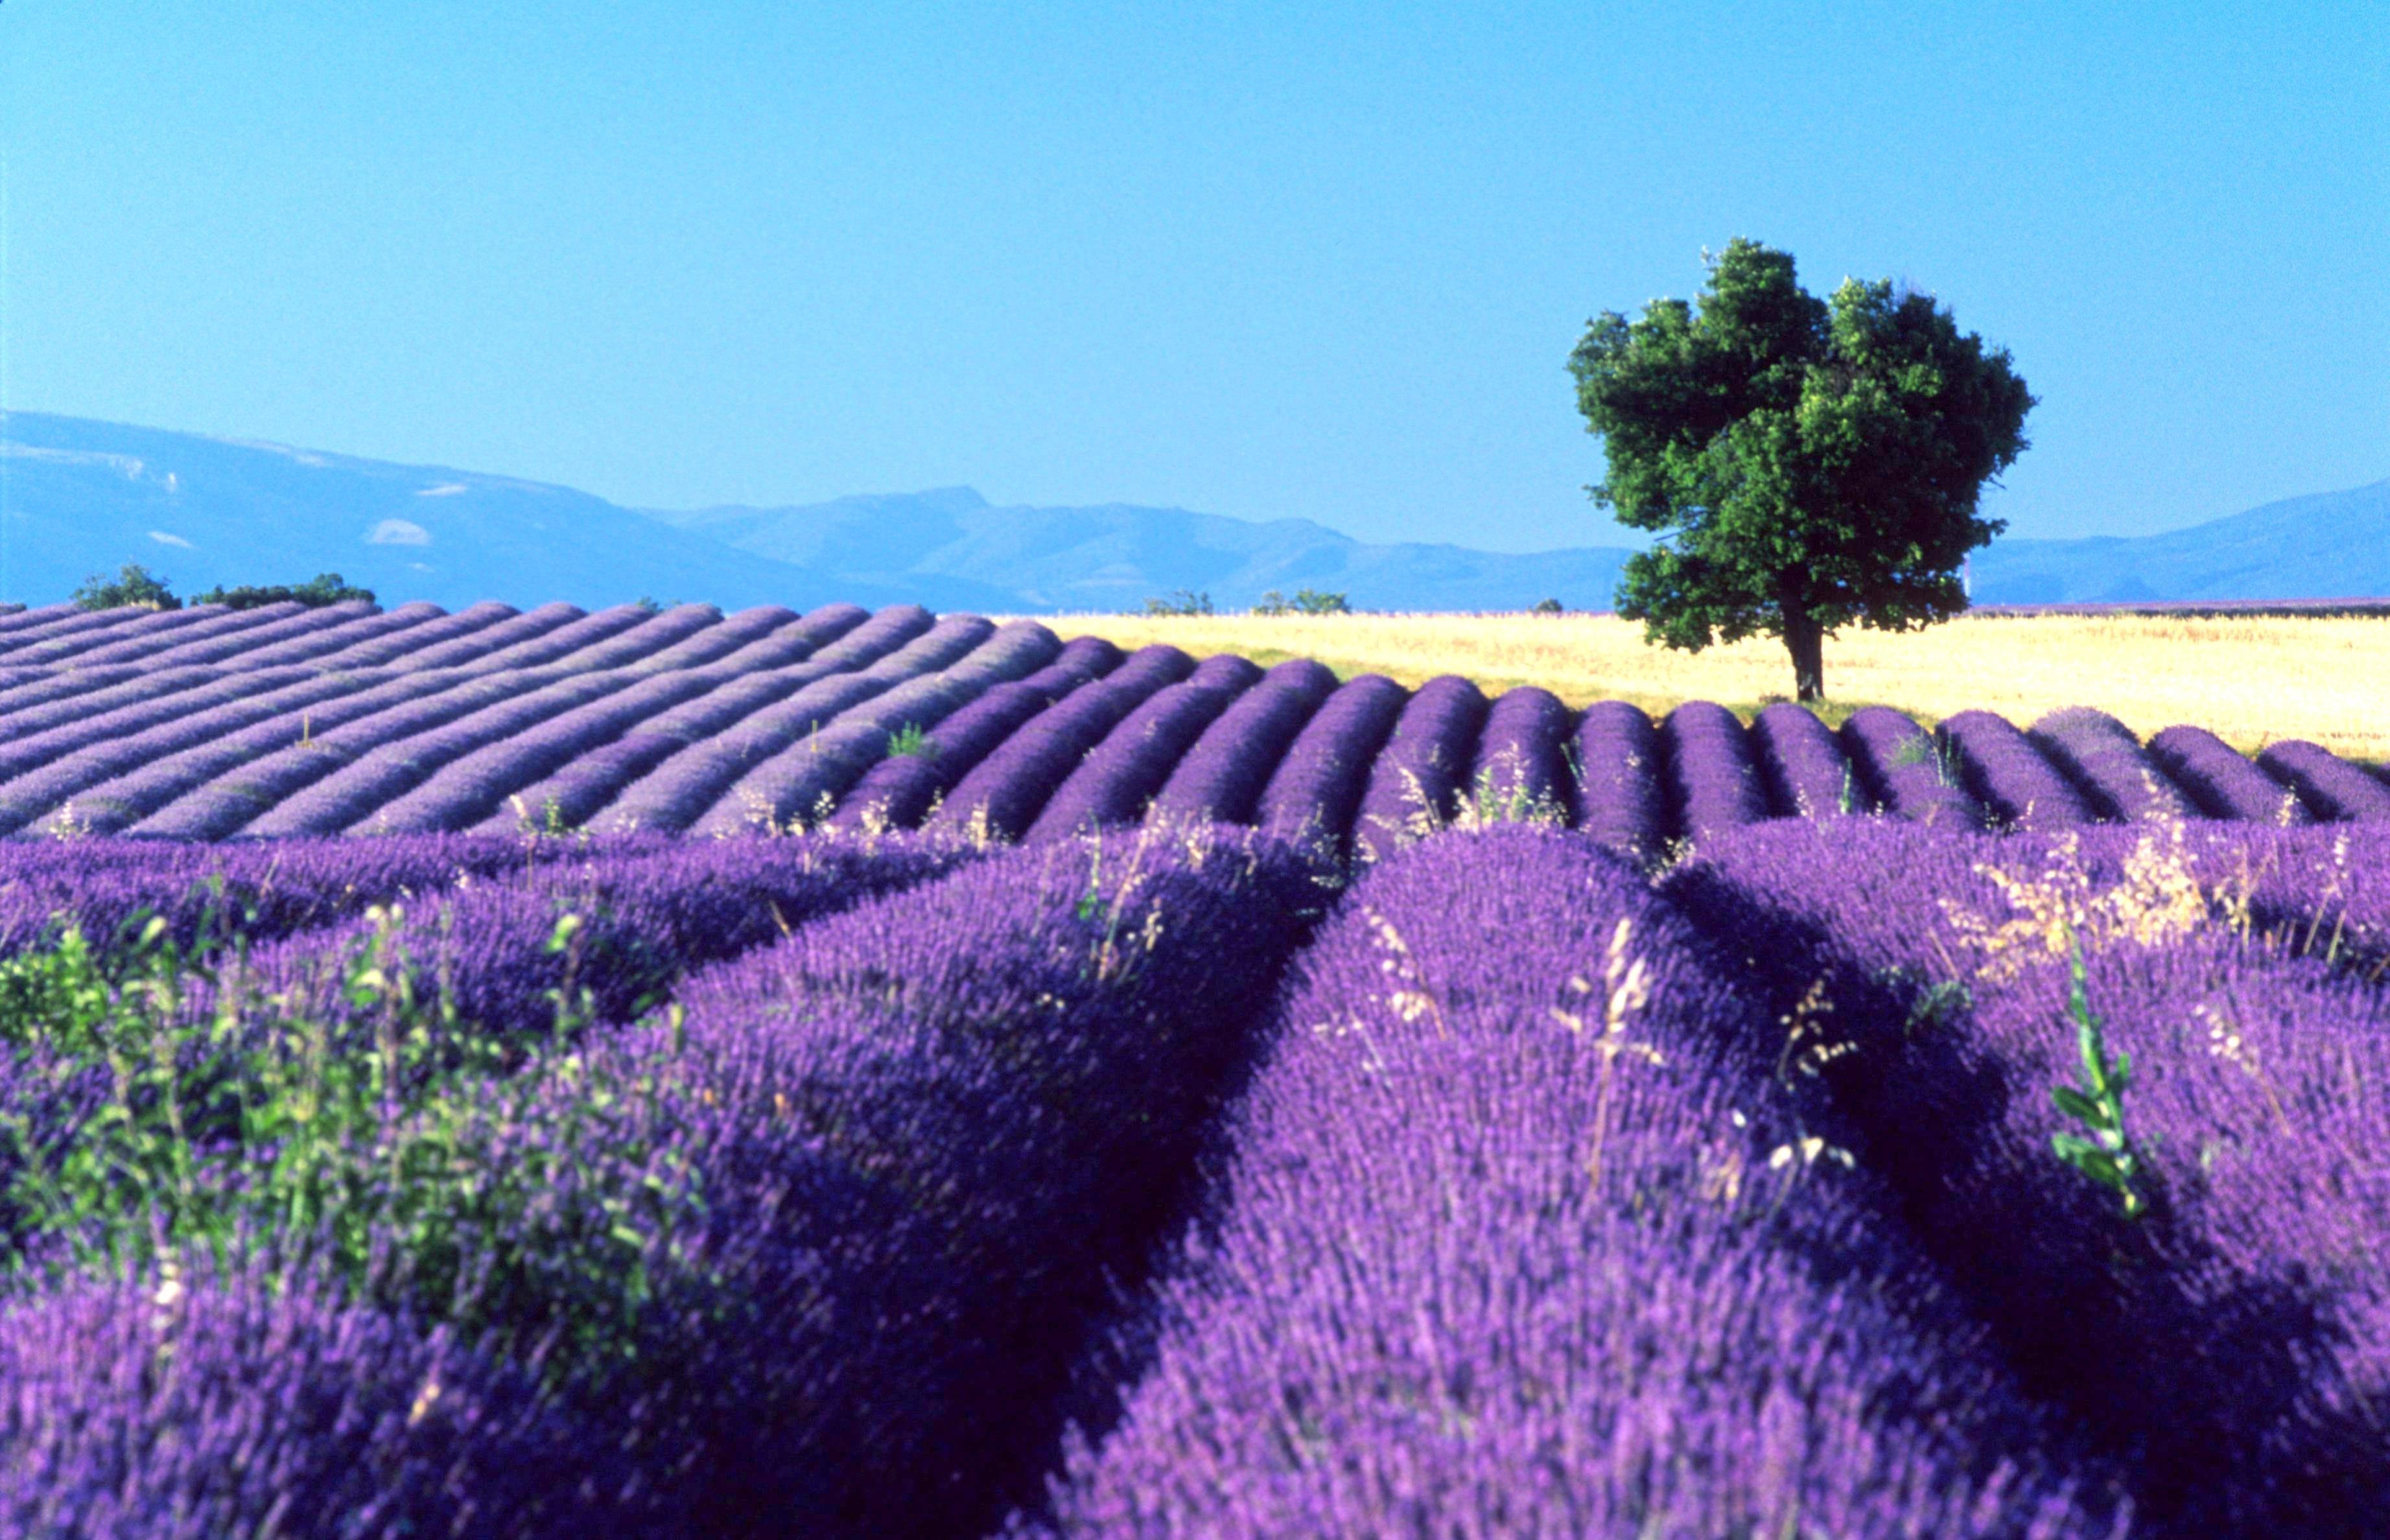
1261 259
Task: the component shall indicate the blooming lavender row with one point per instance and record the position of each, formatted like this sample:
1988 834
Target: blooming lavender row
1618 801
2104 759
2220 782
212 628
1119 775
305 644
58 726
804 781
1801 766
1711 777
1414 782
2331 786
273 889
892 646
1520 1237
899 791
460 640
1315 794
2242 1310
1004 792
214 1404
1220 779
2010 775
1522 768
650 911
69 639
933 1136
1908 770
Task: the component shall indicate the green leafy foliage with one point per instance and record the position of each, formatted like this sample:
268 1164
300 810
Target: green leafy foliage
1809 464
523 1194
1179 601
911 740
1306 601
2106 1155
134 586
322 589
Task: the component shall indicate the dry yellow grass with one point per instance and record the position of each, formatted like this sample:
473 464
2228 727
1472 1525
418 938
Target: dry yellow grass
2251 680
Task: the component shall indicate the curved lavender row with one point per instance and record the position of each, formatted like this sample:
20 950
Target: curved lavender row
139 626
1709 773
1315 794
348 795
1478 1274
589 782
1908 770
898 792
317 646
281 886
219 807
1221 777
2101 755
2243 1312
71 716
114 806
22 690
208 713
579 789
798 641
935 1134
21 622
474 785
1619 805
1521 769
242 1408
267 625
803 782
641 643
2010 776
651 912
726 635
177 693
681 786
218 631
2332 787
539 649
1120 774
2221 781
1414 782
1802 765
74 621
1005 792
449 641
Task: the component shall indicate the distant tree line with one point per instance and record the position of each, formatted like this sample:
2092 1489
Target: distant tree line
137 585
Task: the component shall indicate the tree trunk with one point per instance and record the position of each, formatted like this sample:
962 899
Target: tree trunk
1805 639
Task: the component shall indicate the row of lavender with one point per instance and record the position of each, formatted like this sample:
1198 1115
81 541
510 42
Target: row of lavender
262 723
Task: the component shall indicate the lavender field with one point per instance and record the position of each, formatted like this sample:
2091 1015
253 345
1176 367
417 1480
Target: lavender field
206 724
1088 1094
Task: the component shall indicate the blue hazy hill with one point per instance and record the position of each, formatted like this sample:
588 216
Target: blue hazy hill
2330 545
1115 557
79 496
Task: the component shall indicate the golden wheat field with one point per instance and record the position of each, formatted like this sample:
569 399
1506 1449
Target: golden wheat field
2250 679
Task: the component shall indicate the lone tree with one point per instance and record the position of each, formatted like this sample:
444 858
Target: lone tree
1808 463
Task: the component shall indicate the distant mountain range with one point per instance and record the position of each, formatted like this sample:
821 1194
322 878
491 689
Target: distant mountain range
79 496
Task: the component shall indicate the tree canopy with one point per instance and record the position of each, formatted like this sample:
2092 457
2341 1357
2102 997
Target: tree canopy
1809 464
